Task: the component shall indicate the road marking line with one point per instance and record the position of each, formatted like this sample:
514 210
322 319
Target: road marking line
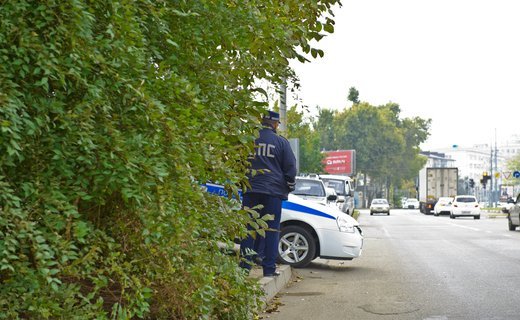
458 225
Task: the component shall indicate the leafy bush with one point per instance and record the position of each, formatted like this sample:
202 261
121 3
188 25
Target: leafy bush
111 113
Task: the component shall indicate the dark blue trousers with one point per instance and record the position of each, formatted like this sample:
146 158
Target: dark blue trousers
267 247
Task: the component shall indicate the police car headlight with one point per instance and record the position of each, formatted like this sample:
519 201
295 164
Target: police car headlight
344 225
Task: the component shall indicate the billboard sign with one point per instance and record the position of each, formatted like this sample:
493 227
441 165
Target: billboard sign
340 162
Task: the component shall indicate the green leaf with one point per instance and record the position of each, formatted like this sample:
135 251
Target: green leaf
173 43
329 28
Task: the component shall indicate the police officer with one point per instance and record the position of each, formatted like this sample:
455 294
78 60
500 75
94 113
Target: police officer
274 158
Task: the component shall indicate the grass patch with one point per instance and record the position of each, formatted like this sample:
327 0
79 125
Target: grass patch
355 214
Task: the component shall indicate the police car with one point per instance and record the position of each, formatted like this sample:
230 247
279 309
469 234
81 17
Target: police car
310 230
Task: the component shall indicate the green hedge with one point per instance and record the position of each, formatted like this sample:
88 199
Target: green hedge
111 113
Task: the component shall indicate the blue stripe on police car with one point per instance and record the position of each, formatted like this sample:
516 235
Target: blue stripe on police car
303 209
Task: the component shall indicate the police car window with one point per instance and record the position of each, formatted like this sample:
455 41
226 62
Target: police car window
309 188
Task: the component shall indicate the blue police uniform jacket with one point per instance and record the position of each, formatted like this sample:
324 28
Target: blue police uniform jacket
273 155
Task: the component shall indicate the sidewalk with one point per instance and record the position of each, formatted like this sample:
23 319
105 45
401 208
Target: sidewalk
492 214
272 285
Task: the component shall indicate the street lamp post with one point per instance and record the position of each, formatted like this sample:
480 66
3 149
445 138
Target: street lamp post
283 106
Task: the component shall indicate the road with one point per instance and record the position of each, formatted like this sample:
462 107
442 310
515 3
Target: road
413 266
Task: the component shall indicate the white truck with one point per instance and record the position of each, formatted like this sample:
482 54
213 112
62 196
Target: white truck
344 187
435 183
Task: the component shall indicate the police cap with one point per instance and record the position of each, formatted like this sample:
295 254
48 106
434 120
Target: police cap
271 115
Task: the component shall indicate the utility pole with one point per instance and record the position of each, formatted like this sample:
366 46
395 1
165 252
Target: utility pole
496 193
490 194
283 106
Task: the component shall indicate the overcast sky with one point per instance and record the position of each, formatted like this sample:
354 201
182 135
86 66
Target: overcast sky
456 62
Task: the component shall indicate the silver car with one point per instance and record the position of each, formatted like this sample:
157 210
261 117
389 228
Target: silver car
379 206
513 216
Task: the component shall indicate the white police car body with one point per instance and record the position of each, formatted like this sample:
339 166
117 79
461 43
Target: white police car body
310 230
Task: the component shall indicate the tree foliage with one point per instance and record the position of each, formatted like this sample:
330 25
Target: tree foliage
324 124
513 164
369 131
309 140
111 114
387 147
353 95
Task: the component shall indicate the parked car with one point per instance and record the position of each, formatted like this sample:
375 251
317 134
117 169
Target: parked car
513 215
310 230
379 206
411 203
313 189
443 205
465 206
506 205
344 189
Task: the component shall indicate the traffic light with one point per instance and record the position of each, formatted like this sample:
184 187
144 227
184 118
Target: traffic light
471 183
484 180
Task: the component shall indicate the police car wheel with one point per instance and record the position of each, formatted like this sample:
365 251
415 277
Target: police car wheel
297 246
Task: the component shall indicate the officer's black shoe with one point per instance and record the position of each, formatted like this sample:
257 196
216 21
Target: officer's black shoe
258 260
272 275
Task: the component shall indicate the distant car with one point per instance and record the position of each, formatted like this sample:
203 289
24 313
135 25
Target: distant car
344 189
411 203
403 200
313 189
465 206
379 206
443 205
513 215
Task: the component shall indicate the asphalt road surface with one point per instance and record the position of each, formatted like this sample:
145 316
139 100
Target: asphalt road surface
413 266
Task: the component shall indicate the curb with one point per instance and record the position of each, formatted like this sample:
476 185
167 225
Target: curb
496 215
273 285
270 285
